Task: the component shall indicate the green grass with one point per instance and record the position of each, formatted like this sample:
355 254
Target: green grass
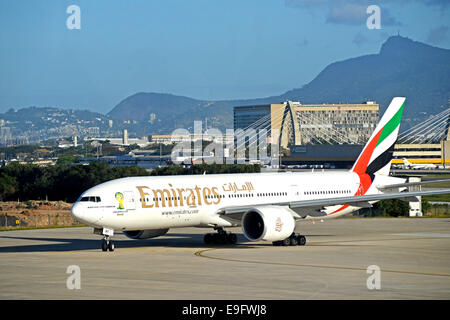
441 185
391 217
437 198
438 177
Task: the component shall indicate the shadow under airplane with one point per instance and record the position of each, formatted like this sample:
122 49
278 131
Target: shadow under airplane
174 240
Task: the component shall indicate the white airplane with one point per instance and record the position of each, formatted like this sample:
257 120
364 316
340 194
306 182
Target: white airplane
409 165
265 205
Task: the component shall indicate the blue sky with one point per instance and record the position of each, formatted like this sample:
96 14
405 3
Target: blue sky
203 49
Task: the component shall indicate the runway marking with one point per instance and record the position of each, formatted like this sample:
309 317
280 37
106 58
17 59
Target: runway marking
319 243
202 254
423 234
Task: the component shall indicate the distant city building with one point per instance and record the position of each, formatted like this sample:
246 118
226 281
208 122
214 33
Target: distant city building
145 161
125 137
293 123
173 138
94 132
5 135
141 142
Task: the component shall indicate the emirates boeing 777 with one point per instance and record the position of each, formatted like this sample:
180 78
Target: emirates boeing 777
265 205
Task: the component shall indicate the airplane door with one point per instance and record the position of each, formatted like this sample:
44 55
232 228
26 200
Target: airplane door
130 201
294 191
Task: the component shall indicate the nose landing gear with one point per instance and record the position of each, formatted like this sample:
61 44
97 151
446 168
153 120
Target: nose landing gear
107 244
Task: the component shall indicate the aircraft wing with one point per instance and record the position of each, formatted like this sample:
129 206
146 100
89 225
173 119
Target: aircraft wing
236 212
365 198
410 184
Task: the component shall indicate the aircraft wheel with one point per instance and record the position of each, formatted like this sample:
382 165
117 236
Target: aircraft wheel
104 245
293 241
208 238
222 238
216 238
232 238
301 240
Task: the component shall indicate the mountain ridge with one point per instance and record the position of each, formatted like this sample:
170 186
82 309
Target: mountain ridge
402 67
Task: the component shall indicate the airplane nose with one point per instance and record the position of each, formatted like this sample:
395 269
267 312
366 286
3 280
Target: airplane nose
79 213
76 212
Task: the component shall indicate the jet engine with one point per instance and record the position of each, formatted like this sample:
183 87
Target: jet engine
145 234
269 223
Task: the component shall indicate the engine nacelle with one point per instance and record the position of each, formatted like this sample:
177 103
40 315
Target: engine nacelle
145 234
269 223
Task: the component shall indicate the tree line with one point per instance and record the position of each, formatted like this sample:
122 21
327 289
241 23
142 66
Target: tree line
67 182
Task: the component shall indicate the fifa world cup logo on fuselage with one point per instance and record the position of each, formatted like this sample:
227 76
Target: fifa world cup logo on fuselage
119 197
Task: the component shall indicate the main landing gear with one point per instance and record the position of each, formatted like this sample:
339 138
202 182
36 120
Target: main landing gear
107 244
293 240
221 237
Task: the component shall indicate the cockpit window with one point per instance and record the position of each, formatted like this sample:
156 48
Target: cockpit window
90 199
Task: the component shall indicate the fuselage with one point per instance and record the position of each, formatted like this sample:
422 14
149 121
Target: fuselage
138 203
421 166
408 164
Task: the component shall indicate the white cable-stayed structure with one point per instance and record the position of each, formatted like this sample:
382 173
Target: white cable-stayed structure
260 128
298 124
304 133
431 131
334 132
325 132
425 143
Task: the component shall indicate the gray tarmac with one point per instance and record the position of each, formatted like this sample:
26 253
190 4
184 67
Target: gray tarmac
413 256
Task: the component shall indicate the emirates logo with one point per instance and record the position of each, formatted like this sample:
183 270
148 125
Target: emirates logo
278 225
